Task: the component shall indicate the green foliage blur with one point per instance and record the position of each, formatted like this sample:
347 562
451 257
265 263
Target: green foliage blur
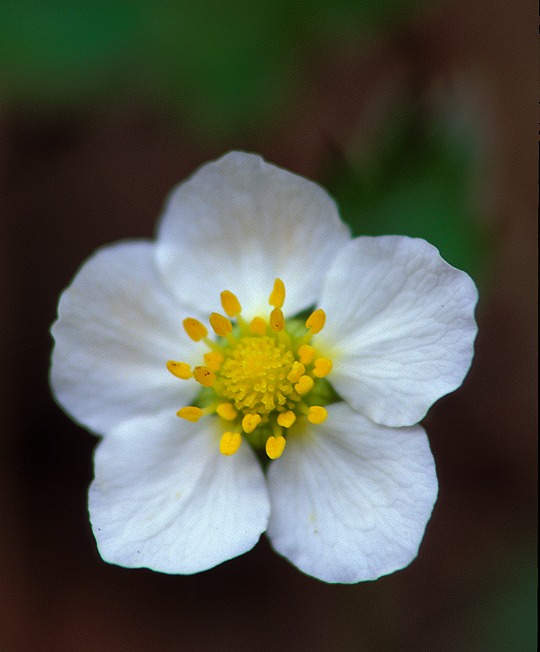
226 71
230 69
417 179
223 65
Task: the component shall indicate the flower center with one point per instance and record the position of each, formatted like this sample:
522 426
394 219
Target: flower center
258 377
254 375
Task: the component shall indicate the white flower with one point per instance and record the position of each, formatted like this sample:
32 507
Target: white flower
349 495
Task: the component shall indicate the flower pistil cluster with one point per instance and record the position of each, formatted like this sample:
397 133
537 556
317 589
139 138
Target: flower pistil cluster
262 375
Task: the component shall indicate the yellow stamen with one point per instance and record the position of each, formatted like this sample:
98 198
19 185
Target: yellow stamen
315 322
190 413
304 385
179 369
204 376
277 320
297 370
277 296
196 330
230 303
323 366
317 414
213 360
221 325
275 446
260 373
306 353
258 326
250 422
230 443
286 419
226 411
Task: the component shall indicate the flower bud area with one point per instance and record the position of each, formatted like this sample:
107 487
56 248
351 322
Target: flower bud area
260 378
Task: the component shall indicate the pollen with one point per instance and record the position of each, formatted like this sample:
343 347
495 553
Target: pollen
322 367
196 330
317 414
179 369
226 411
306 353
230 303
275 446
261 377
190 413
250 422
286 419
277 320
304 385
204 375
213 360
230 442
258 326
220 324
315 322
297 370
277 296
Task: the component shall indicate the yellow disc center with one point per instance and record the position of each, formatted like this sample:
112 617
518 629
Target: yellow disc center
254 375
257 377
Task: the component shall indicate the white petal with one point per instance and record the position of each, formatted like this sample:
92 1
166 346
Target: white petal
117 327
165 498
351 499
237 224
402 324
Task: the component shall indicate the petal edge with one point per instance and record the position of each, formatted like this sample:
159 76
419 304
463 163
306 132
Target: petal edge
350 498
165 498
237 224
403 332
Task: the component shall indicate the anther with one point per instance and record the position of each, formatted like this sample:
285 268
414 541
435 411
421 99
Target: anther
323 366
190 413
277 296
196 330
277 320
297 370
286 419
306 353
275 446
204 376
226 411
213 360
221 325
258 326
179 369
317 414
250 422
304 385
230 443
230 303
315 322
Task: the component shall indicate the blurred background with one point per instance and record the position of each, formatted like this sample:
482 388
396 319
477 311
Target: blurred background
417 116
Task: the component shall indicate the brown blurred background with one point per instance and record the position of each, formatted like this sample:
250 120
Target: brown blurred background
91 169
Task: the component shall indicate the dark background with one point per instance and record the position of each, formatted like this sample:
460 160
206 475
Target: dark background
418 117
